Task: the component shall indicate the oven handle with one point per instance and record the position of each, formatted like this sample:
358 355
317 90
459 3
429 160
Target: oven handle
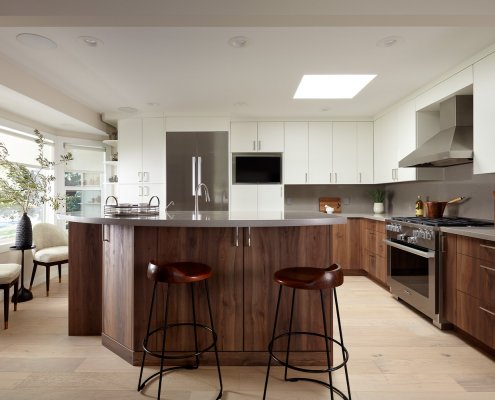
424 254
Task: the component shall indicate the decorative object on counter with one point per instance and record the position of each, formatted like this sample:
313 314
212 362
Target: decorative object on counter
378 197
333 202
131 210
435 209
26 188
115 156
419 207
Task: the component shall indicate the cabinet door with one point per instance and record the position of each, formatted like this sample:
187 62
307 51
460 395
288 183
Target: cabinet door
384 158
271 137
243 137
270 198
153 152
153 189
345 152
483 111
296 153
449 267
319 152
244 198
130 150
269 250
405 138
130 193
365 152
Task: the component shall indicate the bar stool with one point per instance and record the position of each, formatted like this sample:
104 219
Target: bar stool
178 273
309 278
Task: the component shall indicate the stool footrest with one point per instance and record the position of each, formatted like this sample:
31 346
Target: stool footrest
184 355
140 387
333 388
311 371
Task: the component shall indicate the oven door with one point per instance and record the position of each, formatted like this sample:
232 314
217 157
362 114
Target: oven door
412 274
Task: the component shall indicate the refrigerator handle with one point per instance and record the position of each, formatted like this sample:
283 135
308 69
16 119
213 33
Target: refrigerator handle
193 176
199 174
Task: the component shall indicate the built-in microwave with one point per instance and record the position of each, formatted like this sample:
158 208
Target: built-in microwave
256 168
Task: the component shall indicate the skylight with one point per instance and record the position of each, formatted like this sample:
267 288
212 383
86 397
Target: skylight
331 86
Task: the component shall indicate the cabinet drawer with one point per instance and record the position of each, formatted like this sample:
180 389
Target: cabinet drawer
381 248
468 275
381 268
370 225
380 227
370 241
487 250
487 326
487 285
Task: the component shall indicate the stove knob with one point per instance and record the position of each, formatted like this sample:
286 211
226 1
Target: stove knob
412 240
402 236
428 235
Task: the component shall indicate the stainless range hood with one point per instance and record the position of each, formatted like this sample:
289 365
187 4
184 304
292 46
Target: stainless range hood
453 145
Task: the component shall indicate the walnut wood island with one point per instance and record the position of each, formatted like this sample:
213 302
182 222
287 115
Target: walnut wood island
109 293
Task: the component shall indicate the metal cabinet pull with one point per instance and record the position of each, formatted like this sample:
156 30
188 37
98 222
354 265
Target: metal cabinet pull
103 233
487 247
335 177
236 235
140 176
487 311
360 179
249 236
146 176
330 177
259 145
254 145
140 191
147 192
306 177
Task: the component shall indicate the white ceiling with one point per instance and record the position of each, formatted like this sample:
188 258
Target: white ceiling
179 57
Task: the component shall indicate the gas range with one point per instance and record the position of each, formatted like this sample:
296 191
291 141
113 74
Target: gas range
415 261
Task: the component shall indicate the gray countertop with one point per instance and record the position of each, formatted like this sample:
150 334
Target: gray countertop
485 232
217 219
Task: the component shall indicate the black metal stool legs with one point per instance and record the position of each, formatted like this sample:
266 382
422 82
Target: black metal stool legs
325 336
162 353
269 346
215 341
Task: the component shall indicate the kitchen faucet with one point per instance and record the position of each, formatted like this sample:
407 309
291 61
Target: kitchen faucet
197 193
169 204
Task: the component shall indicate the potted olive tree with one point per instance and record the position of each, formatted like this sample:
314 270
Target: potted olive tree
378 197
26 188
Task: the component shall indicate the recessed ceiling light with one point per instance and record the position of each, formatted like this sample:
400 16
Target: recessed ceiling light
331 86
128 110
153 104
240 104
36 41
238 41
91 41
389 41
325 109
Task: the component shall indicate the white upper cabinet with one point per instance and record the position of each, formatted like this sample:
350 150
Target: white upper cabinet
483 115
365 152
153 150
345 152
295 165
243 137
394 138
270 198
130 153
320 152
271 137
265 137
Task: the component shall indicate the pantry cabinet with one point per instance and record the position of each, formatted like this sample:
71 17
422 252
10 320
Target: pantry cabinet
141 159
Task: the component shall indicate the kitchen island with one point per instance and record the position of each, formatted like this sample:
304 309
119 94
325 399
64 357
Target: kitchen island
109 293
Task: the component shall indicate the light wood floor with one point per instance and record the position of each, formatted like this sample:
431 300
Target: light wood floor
394 354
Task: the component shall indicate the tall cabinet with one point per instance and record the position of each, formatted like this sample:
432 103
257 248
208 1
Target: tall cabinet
141 159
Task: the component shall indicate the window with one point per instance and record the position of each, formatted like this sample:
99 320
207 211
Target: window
24 150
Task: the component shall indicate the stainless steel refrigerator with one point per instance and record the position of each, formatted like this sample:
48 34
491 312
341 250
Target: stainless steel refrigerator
194 158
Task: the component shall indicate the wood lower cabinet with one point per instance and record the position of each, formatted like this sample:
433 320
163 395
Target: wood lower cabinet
271 249
374 251
473 307
346 244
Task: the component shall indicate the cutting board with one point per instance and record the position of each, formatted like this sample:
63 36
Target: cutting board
332 202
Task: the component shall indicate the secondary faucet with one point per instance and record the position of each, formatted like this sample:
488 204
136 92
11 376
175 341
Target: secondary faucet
197 193
169 204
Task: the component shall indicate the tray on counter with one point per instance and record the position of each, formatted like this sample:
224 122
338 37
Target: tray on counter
131 210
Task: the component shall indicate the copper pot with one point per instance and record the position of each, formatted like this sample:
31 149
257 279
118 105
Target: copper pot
435 209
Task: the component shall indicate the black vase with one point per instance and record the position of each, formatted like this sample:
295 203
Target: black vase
24 233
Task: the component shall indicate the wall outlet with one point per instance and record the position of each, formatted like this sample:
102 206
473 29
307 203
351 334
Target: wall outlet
346 201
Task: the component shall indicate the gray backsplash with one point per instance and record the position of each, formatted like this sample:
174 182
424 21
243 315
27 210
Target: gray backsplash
401 197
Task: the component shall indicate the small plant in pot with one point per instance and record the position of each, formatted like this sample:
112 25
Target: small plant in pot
378 197
26 188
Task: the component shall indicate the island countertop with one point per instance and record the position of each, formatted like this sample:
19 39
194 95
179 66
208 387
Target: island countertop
216 219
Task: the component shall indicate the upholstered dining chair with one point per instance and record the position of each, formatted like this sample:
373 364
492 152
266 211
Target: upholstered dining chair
9 276
51 249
